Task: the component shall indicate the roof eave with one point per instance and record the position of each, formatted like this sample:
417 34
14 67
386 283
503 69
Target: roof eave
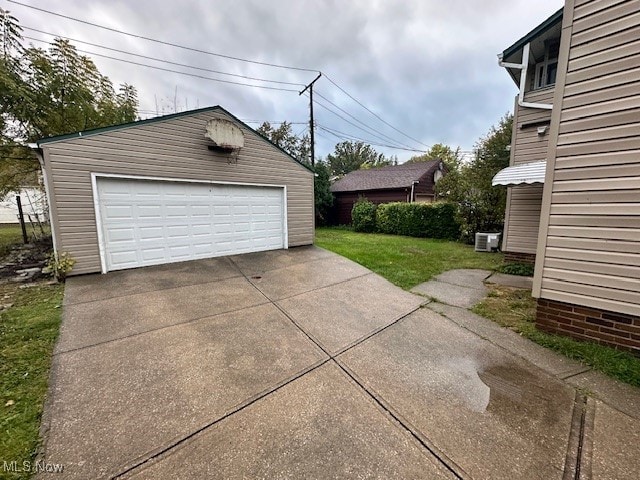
539 30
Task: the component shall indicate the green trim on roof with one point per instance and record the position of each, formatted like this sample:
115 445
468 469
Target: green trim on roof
121 126
539 30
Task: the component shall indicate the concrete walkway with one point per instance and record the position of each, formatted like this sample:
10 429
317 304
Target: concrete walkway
302 364
609 440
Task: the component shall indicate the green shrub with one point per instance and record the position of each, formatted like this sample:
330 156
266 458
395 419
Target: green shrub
59 265
431 220
363 216
522 269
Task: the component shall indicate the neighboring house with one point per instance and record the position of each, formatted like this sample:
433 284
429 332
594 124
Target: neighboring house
587 242
409 182
191 185
34 206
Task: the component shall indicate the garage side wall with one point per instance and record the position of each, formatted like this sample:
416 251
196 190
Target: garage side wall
175 148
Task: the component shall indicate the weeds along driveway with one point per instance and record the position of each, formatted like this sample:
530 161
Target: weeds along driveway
290 364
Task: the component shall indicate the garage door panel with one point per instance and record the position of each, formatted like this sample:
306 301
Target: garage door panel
153 222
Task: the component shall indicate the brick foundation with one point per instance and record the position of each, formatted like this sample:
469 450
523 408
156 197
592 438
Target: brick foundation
518 257
584 323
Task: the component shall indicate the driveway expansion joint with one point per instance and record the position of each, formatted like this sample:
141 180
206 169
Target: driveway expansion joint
579 446
401 422
162 289
151 330
141 462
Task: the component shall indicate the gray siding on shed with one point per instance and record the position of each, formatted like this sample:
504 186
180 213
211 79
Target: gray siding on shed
589 245
171 148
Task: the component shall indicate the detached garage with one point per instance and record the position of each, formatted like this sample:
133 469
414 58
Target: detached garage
191 185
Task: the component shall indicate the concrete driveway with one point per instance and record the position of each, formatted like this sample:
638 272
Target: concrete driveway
293 364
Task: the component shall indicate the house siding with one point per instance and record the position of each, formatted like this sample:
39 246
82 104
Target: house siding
523 201
174 149
589 244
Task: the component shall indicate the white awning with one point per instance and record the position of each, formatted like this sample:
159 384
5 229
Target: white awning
524 173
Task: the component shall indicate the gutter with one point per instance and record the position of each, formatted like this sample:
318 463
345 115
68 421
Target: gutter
523 78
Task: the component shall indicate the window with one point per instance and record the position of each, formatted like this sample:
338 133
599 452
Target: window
547 69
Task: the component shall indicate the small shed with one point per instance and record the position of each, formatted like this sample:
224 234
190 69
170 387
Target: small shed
186 186
408 182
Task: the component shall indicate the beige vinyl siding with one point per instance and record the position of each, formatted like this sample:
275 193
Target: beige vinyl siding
528 145
175 148
590 244
524 219
522 215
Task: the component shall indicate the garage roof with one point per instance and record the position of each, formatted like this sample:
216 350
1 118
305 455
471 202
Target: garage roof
162 118
524 173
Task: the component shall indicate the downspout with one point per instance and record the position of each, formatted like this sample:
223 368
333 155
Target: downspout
413 185
38 151
523 78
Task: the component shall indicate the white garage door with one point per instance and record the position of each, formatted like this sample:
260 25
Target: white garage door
154 222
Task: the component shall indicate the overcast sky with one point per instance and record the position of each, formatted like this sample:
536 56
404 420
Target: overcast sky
427 67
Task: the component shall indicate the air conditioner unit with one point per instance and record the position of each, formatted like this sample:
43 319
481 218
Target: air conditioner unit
487 242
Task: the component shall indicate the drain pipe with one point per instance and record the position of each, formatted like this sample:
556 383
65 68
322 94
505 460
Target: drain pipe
413 185
523 78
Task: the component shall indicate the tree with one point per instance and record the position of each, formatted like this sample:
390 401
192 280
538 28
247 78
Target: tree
349 156
46 93
481 206
283 137
322 190
300 148
439 151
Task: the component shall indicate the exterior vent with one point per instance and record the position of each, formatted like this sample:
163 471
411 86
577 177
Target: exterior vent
487 242
225 135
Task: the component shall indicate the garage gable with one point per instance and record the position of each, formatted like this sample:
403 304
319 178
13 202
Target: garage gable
174 149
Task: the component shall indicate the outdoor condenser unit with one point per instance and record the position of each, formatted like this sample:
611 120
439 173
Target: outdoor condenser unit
487 242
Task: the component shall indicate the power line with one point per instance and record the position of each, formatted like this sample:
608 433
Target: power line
276 122
173 71
345 136
370 111
230 57
160 59
361 122
348 121
162 42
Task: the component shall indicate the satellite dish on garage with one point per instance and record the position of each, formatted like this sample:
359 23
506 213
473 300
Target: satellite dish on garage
225 135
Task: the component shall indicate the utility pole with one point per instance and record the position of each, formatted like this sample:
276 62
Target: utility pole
311 124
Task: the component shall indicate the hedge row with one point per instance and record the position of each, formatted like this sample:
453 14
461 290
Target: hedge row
431 220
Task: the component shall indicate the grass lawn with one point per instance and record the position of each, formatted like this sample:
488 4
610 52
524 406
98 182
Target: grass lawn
404 261
28 331
515 309
10 235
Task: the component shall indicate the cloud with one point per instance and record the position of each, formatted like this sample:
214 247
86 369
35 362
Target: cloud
427 67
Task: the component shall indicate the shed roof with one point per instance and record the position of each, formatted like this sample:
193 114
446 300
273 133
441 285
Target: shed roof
391 177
